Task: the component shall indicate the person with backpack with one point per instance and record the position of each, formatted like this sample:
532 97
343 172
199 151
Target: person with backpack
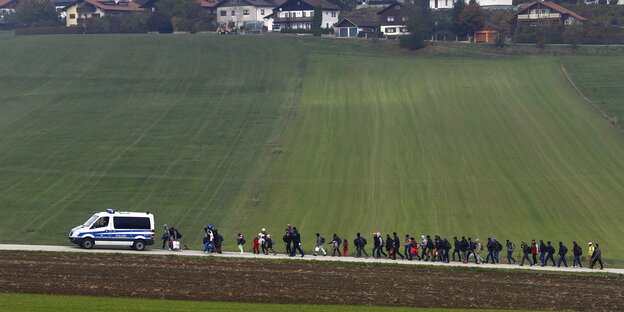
240 241
577 251
596 257
209 238
446 248
510 249
335 243
320 241
456 249
490 248
296 239
382 244
550 254
415 248
345 248
563 250
463 248
498 247
526 250
269 244
397 246
165 236
358 242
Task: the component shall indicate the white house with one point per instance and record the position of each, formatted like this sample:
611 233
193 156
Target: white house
299 14
250 12
79 10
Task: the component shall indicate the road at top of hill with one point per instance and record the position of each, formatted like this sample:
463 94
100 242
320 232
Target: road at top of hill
249 280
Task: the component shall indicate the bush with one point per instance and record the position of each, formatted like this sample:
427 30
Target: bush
116 24
159 22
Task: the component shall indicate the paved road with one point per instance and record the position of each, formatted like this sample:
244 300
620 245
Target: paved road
152 251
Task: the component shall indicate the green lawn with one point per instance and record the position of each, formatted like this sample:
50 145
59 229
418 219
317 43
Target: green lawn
371 139
51 303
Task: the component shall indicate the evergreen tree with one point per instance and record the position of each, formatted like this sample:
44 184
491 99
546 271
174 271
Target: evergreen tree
317 22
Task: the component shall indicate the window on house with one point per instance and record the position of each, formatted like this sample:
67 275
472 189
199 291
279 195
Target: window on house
245 12
95 15
390 18
72 16
303 14
222 13
333 13
404 18
233 13
312 14
262 12
390 30
403 29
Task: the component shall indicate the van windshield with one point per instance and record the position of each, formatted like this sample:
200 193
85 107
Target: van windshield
88 222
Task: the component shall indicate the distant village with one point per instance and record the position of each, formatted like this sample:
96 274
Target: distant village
343 19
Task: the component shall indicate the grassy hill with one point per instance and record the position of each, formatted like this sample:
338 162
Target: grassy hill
331 136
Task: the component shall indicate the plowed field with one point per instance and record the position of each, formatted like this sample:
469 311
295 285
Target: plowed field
241 280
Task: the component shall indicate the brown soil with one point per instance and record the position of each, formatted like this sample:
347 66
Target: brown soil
246 280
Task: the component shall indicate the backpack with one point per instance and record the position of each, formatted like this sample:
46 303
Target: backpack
447 245
564 250
338 240
512 246
364 241
429 244
498 246
285 238
322 240
243 241
179 234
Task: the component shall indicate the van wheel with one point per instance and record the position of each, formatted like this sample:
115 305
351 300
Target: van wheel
87 243
138 245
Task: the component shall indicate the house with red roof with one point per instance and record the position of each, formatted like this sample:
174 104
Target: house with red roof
79 10
545 13
7 7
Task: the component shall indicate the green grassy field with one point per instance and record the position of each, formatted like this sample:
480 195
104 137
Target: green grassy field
50 303
371 139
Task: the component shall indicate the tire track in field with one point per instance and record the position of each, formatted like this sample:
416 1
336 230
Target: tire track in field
119 151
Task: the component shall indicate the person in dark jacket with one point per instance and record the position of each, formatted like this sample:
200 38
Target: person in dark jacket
456 249
597 257
577 251
526 250
359 243
472 246
550 254
397 245
288 239
165 236
463 248
376 247
390 247
490 248
446 248
296 240
563 250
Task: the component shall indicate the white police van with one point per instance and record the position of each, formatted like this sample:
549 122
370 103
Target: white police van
115 228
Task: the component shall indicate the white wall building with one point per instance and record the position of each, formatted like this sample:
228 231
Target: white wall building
299 14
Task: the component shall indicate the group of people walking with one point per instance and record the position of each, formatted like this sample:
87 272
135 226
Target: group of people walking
425 248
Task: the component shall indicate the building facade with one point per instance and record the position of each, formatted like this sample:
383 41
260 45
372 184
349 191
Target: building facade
245 12
80 10
299 14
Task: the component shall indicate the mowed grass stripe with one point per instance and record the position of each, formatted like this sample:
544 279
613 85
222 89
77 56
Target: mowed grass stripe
173 125
499 148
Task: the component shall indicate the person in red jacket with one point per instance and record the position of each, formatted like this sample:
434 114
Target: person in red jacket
345 248
256 245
